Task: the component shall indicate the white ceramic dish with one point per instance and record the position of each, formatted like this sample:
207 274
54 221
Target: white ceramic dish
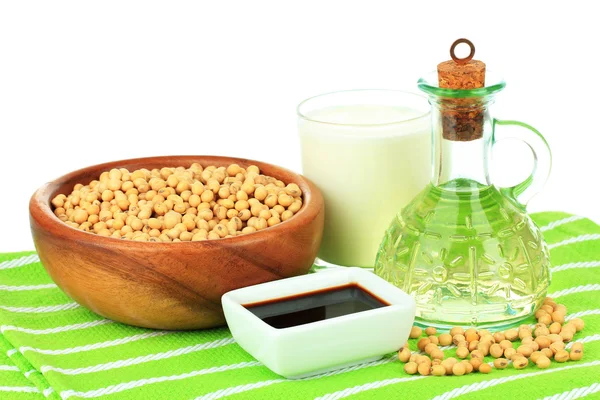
325 345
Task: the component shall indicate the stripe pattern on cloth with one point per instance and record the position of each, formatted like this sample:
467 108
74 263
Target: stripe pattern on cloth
50 347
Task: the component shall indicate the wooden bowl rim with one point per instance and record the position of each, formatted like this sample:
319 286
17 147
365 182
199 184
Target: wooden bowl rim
40 208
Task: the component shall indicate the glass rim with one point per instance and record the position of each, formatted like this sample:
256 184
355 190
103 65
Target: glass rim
430 86
397 91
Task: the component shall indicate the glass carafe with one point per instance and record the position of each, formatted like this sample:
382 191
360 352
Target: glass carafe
465 249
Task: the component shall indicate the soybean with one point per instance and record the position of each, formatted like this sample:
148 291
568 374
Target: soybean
152 203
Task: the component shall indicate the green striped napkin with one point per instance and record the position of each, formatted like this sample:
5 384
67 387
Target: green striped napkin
52 348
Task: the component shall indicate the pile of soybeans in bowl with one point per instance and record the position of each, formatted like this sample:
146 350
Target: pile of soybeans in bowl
178 204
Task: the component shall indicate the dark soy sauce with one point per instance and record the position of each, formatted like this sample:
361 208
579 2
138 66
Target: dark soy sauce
315 306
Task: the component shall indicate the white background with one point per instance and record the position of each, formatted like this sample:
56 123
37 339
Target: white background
85 82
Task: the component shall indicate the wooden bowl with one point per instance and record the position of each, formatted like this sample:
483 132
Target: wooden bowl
170 285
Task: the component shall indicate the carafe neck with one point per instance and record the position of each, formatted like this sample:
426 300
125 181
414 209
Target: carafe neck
461 142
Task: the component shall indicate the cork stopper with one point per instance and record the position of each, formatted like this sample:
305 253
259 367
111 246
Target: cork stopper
462 120
461 73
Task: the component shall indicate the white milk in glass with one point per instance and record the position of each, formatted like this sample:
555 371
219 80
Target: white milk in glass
369 161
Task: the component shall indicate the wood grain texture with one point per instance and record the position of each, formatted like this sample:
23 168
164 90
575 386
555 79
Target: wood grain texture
170 285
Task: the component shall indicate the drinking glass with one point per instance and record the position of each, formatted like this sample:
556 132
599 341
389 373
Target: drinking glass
368 151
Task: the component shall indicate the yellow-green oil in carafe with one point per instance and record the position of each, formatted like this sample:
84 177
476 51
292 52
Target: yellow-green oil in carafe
468 254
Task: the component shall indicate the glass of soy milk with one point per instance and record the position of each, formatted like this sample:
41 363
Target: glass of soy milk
368 151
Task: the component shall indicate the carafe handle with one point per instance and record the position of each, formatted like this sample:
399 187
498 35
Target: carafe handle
542 159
